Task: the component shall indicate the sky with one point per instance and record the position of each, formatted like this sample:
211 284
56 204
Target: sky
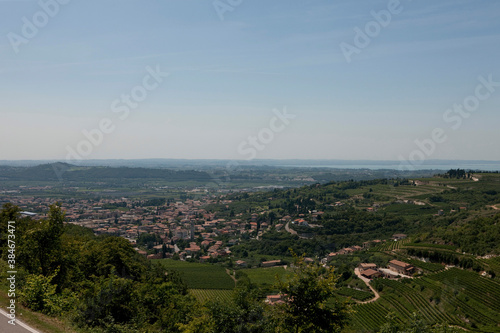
243 79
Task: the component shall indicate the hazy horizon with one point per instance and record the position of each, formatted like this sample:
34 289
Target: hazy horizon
230 165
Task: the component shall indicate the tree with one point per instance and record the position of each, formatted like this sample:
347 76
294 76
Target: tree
39 294
8 213
40 249
309 304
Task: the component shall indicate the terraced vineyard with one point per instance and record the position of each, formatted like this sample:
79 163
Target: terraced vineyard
433 246
428 266
481 293
369 316
398 192
390 245
493 264
454 297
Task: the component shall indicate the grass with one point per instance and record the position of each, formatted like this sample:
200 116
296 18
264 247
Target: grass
200 276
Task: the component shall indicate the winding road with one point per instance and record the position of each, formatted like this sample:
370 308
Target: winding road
367 282
287 228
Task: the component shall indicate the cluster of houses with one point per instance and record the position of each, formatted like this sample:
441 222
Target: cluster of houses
173 222
394 268
352 249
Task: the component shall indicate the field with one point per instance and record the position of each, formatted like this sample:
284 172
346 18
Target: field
200 276
265 276
204 295
355 294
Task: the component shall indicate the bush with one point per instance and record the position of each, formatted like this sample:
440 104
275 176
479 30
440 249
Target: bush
39 294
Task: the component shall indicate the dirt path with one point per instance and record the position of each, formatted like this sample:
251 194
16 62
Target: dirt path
495 207
232 276
287 228
367 282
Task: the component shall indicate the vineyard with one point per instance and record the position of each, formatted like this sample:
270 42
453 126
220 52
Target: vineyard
204 295
454 297
428 266
200 276
390 245
480 294
493 264
432 246
369 317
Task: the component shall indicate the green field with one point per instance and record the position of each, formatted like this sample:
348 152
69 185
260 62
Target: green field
200 276
355 294
265 276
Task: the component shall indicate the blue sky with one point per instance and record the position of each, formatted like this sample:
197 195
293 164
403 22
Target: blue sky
227 76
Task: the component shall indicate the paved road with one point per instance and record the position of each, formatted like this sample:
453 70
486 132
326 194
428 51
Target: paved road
20 327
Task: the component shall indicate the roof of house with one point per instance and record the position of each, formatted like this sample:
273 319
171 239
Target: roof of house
400 263
370 272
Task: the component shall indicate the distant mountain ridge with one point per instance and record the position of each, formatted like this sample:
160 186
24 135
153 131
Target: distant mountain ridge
68 172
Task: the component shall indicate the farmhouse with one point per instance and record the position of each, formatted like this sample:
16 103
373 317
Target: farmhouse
308 260
331 256
273 299
401 267
241 263
364 266
397 237
371 273
204 258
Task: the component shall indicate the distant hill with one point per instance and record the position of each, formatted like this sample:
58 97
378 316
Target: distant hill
68 172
